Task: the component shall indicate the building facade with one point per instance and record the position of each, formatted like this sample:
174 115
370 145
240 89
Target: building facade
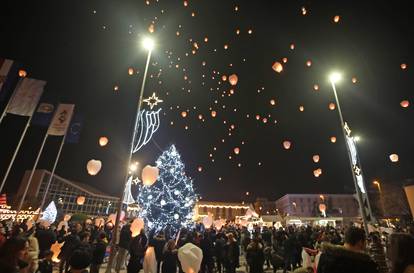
220 210
69 196
317 205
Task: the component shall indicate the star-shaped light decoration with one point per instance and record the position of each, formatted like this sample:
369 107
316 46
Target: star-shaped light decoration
152 101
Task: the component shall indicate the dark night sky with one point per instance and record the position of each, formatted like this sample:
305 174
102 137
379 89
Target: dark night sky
65 43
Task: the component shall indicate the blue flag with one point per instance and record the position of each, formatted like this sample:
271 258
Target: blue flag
44 114
74 130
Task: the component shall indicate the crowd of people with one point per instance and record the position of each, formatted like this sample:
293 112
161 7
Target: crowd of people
26 248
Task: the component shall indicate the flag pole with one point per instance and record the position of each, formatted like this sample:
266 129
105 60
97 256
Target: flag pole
31 176
10 99
52 173
15 153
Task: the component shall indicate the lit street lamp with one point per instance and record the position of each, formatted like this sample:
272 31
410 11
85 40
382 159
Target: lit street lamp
354 161
378 184
148 44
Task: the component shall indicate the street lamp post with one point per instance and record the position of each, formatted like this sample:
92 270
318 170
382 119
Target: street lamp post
378 184
356 171
148 44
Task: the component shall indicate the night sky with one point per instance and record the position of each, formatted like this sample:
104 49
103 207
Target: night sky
83 49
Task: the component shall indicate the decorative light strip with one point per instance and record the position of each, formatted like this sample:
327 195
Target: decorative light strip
223 206
149 122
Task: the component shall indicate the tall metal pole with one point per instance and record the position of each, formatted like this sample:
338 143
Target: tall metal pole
29 181
52 173
358 193
3 182
119 209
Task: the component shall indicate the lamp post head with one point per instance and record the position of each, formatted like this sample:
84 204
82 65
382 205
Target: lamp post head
335 77
148 43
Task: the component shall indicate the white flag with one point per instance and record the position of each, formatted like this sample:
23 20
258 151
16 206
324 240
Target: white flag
26 96
5 66
61 120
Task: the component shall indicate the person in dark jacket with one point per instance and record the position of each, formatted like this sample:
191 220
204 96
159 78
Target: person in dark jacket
348 258
255 256
159 243
169 262
137 250
71 242
124 241
13 254
232 251
206 246
46 239
401 252
46 263
219 251
98 252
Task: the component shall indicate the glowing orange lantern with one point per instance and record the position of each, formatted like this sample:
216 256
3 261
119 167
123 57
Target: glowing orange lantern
315 87
333 139
149 175
332 106
287 144
278 67
394 158
80 200
284 60
317 172
185 3
308 63
272 102
237 150
354 80
103 141
151 28
336 18
213 114
22 73
200 169
403 66
322 208
116 88
233 79
301 108
315 158
224 78
130 71
94 166
184 114
292 46
405 103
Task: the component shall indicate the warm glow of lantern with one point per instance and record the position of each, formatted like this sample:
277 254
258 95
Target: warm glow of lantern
116 88
224 78
322 208
80 200
103 141
237 150
213 114
278 67
354 80
130 71
308 63
317 172
332 106
200 169
315 87
149 175
233 79
301 108
315 158
403 66
184 114
272 102
336 18
94 166
22 73
394 158
151 28
292 46
284 60
287 144
405 103
333 139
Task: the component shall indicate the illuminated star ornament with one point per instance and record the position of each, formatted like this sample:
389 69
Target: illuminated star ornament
152 101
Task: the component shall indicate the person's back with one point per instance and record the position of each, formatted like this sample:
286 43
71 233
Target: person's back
348 258
46 238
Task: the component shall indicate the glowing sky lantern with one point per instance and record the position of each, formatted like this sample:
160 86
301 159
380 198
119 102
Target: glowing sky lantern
317 172
80 200
332 106
315 87
151 28
250 31
394 158
264 120
333 139
257 117
149 175
116 88
304 11
200 169
200 116
308 63
336 18
354 80
22 73
185 3
287 144
278 67
301 108
284 60
130 71
103 141
272 102
205 39
184 114
233 79
403 66
405 103
213 114
93 166
292 46
237 150
224 78
315 158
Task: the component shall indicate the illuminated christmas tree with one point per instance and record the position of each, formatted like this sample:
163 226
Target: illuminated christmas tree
171 199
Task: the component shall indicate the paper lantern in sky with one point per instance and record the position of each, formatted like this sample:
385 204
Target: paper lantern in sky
403 66
315 87
308 63
333 139
103 141
354 80
292 46
317 172
284 60
136 226
130 71
394 158
213 114
224 78
149 175
278 67
22 73
405 103
151 28
315 158
207 221
332 106
93 166
237 150
287 144
233 79
322 208
336 18
184 114
80 200
185 3
200 169
301 108
272 102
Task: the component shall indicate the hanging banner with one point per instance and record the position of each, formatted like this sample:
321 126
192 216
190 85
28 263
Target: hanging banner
5 66
8 77
26 97
61 120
